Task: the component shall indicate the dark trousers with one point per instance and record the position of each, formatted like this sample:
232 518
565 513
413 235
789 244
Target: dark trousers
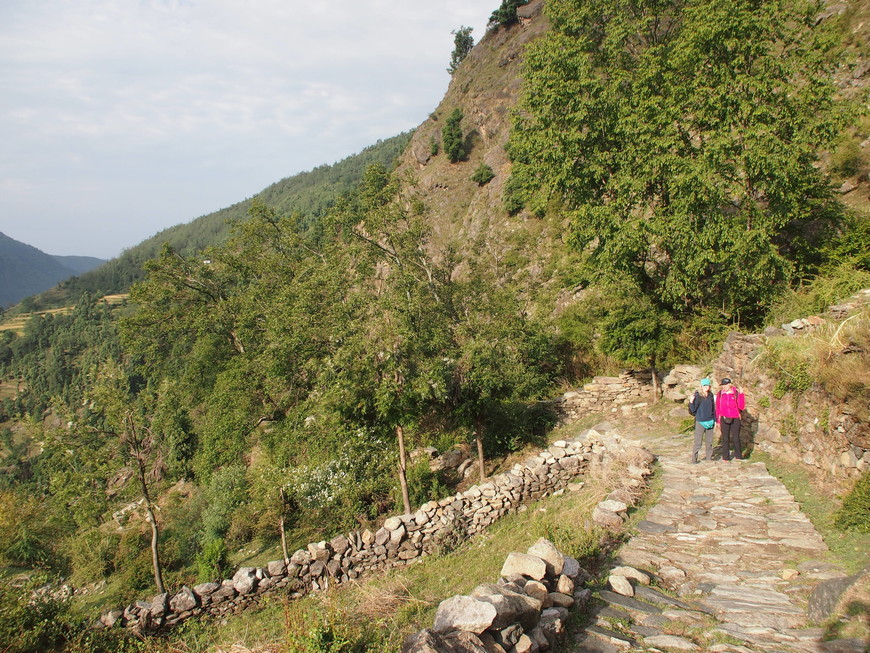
730 437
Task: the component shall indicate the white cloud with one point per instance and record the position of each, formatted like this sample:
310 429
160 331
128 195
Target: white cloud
176 108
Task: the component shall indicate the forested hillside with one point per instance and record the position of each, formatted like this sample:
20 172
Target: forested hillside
603 186
25 270
308 194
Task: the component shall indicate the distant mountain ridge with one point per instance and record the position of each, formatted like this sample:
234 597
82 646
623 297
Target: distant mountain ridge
26 270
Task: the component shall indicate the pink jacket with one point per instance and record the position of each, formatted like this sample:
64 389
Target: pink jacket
729 404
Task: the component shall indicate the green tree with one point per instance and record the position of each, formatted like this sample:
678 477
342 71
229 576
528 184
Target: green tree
463 41
681 136
636 333
391 364
452 137
502 357
138 446
506 14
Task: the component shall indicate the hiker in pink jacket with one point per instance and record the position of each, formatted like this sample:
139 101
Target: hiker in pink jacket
729 402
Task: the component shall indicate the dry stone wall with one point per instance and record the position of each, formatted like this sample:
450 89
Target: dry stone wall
629 391
401 539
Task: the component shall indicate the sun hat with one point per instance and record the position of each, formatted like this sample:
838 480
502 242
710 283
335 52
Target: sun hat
725 381
705 381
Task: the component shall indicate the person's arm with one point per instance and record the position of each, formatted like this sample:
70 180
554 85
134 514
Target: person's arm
741 400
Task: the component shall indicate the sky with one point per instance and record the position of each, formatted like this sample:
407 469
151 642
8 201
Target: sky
119 118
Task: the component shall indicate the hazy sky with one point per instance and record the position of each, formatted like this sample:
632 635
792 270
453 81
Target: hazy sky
119 118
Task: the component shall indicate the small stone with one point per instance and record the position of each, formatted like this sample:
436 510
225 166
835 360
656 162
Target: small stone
620 585
631 572
536 589
559 600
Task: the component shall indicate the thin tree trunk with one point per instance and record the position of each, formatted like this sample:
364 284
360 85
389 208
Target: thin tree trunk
155 553
136 449
403 466
479 437
655 382
281 528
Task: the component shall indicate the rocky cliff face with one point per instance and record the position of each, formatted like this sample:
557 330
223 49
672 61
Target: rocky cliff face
486 88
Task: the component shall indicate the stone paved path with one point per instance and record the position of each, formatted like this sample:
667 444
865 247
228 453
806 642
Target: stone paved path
732 543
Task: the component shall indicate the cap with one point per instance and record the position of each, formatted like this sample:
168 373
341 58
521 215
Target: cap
705 381
725 381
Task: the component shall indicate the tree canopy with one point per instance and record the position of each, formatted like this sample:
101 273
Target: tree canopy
681 138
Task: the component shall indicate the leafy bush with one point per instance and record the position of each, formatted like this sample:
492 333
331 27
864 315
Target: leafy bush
855 511
483 175
451 135
213 560
91 554
33 621
423 485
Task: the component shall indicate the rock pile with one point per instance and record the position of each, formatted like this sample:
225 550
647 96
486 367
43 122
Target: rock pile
401 539
525 611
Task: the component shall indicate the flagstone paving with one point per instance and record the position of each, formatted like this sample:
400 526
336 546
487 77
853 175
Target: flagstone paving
731 544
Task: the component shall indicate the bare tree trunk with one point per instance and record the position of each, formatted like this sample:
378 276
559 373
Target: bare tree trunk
137 449
403 466
479 437
155 553
281 528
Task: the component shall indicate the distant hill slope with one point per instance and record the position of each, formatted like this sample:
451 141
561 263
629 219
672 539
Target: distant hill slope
79 264
25 270
308 193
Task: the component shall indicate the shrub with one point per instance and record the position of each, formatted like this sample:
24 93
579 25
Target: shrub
855 511
423 485
452 136
213 560
31 623
483 175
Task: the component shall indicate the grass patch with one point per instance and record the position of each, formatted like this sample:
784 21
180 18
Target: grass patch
849 549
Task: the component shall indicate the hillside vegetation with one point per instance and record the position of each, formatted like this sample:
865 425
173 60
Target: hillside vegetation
658 175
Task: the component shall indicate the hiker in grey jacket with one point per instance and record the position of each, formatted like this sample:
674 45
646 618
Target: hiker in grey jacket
703 407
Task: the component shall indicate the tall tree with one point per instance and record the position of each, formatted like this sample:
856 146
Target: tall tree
463 41
138 446
681 136
502 356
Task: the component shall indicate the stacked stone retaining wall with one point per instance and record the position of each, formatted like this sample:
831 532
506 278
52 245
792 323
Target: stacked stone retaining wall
629 391
401 539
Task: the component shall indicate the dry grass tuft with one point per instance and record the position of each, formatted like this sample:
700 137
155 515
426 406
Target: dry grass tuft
842 357
381 602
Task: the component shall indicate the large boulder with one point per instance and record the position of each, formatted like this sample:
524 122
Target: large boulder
548 552
464 613
245 580
524 564
512 607
429 641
